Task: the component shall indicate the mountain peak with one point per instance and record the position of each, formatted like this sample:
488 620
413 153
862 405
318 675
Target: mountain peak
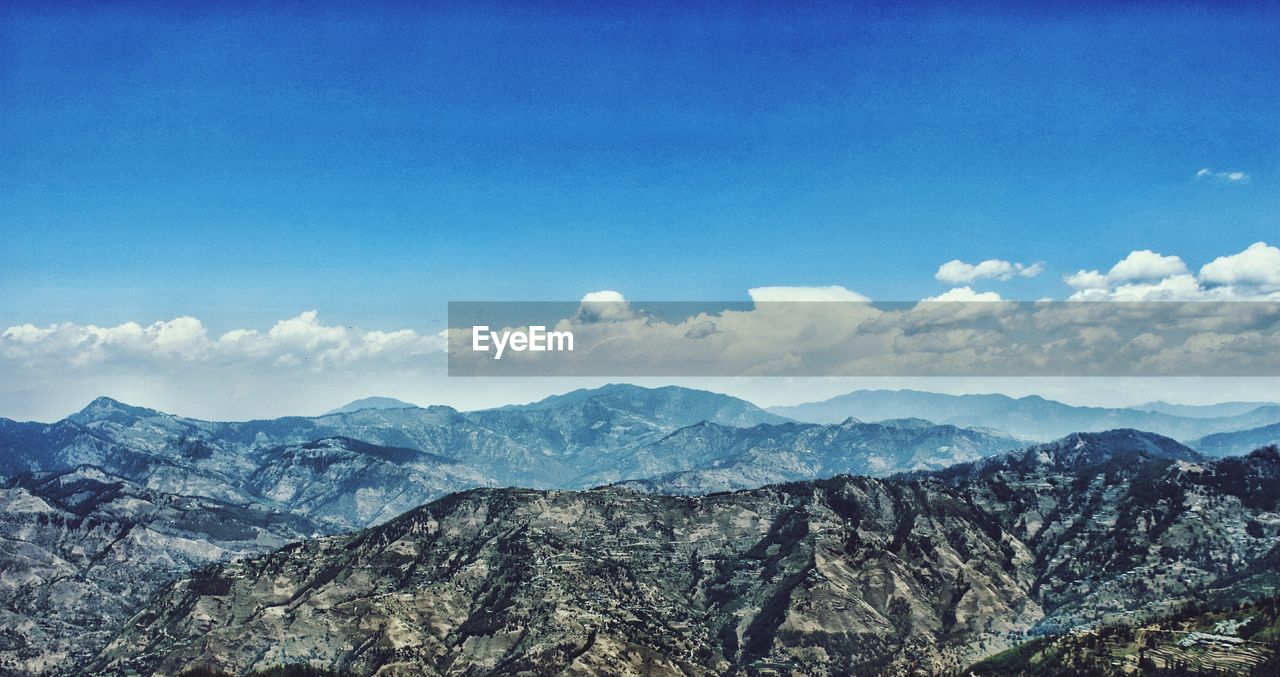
1084 449
372 403
673 406
1078 451
1220 409
104 408
609 390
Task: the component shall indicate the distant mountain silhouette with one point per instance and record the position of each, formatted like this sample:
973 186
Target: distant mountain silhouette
1030 417
372 403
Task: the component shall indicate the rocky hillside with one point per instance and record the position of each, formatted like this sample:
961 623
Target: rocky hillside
854 574
81 550
928 572
338 473
83 547
1124 524
351 484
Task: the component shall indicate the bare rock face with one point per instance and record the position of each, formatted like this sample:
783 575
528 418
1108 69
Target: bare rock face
855 574
351 484
81 550
919 573
1125 524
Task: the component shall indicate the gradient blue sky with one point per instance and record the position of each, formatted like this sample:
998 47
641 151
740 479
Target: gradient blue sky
245 165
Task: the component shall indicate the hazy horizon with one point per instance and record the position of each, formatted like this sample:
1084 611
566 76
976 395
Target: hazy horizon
797 394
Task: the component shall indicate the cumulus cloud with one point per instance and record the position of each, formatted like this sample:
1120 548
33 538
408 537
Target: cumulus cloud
603 306
1144 275
1207 174
297 341
603 296
1138 266
957 272
1172 288
1146 265
816 294
1258 265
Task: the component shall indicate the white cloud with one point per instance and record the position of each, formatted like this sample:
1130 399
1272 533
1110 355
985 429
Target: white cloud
603 306
1257 265
958 272
1086 279
604 296
1207 174
1146 265
965 294
299 365
1144 275
1135 272
782 294
297 341
1173 288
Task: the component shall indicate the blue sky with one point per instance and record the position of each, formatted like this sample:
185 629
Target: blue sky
374 163
246 166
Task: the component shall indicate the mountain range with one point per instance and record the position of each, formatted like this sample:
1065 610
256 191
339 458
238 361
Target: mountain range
578 440
1034 417
105 509
1240 441
708 457
1220 409
149 487
926 572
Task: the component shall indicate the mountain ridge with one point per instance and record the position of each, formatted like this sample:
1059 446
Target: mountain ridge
708 458
1030 417
683 406
1239 441
361 469
850 574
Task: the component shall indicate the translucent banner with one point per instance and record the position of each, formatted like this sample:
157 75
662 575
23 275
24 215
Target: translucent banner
672 339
